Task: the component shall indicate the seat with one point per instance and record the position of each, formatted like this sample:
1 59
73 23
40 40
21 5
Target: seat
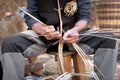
69 58
78 65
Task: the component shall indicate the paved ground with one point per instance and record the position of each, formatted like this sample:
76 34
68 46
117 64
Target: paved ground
117 74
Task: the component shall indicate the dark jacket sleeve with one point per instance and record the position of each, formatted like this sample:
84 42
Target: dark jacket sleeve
83 12
32 9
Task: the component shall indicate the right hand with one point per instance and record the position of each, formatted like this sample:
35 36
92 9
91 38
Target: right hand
48 32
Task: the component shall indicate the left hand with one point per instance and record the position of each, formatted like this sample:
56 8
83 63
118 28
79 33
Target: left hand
71 36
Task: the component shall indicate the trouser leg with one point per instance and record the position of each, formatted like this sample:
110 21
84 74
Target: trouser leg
105 60
104 50
14 50
105 54
13 66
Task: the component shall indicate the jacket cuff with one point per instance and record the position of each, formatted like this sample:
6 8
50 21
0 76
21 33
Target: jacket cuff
85 18
30 23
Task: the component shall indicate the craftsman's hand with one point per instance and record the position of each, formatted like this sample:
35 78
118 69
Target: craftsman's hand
48 32
71 36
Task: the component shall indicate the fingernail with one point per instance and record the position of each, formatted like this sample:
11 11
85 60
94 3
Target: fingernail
63 38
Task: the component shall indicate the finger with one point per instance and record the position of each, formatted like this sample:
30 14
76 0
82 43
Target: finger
56 34
72 41
52 28
66 34
74 35
70 38
48 37
53 35
75 40
49 31
67 40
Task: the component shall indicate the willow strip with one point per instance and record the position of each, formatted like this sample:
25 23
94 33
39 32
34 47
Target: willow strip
67 76
86 60
89 61
101 36
60 47
83 57
82 52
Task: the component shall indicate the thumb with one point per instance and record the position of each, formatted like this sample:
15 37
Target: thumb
66 35
52 27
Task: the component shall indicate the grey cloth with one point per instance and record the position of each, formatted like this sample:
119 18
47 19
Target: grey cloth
105 60
13 62
13 66
105 53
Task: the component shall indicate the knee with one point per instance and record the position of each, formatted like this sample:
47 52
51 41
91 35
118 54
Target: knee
7 41
7 44
111 35
109 42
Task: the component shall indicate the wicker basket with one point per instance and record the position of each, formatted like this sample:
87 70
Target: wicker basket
108 16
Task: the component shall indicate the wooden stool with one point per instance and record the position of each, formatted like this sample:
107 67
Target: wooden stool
78 64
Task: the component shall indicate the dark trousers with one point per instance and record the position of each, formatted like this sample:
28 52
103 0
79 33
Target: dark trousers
22 44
